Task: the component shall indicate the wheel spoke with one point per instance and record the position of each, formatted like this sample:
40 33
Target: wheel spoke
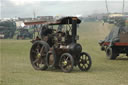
80 61
38 45
35 61
42 61
86 65
33 51
83 57
83 66
67 58
41 50
68 67
88 62
87 58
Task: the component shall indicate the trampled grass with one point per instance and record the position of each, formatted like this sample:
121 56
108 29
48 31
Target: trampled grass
15 67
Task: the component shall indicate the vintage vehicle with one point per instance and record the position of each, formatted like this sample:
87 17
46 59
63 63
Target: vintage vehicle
117 41
24 33
7 29
58 47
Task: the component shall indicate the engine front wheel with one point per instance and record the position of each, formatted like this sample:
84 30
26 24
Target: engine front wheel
66 62
85 62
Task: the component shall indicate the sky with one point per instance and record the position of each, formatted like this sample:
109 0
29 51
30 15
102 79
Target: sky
25 8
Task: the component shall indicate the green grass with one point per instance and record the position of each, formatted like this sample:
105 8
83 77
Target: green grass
15 67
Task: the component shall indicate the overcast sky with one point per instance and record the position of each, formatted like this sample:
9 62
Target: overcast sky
25 8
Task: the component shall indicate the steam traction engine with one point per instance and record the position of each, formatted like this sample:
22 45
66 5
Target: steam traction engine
58 47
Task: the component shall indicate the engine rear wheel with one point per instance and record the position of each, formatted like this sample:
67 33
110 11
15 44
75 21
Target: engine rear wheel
85 62
66 62
38 54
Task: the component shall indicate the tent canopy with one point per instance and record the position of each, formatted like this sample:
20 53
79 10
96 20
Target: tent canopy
114 35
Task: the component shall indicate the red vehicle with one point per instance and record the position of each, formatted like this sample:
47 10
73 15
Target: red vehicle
116 42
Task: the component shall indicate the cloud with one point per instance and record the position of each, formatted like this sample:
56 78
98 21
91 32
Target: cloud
25 8
23 2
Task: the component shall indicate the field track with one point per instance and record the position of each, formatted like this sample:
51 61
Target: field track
15 67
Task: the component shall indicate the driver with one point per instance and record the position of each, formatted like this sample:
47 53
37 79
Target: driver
45 34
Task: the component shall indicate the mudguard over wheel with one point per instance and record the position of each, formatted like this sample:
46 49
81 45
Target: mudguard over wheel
38 54
84 62
66 62
111 53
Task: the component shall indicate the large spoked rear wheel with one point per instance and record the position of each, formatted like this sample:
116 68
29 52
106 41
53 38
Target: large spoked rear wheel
38 54
85 62
66 62
111 53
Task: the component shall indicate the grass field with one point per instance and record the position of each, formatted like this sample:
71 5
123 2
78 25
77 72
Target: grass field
15 67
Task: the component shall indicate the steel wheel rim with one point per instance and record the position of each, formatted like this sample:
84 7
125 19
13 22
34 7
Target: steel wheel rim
84 62
66 63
